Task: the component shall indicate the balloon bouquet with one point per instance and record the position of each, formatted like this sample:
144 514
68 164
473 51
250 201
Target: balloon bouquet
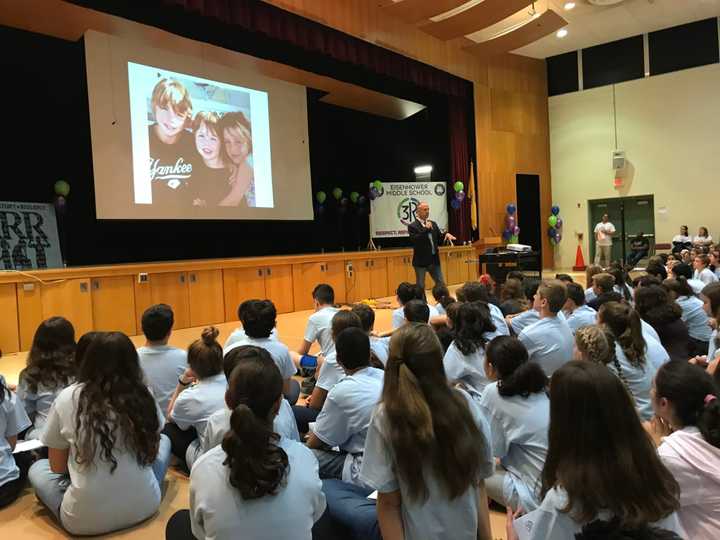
512 231
343 203
556 225
459 195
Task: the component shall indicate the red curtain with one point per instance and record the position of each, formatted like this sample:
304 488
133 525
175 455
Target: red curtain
459 167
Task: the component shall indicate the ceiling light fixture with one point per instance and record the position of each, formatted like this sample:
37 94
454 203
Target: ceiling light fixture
562 33
569 5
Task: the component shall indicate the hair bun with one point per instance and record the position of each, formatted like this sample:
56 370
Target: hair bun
209 335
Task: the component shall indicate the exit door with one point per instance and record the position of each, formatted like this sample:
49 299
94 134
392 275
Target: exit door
630 215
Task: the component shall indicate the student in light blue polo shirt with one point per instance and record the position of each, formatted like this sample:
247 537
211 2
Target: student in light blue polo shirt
318 325
345 416
13 420
518 409
256 484
259 318
577 314
693 314
464 360
407 292
162 365
442 297
474 291
632 366
549 341
239 335
711 304
379 346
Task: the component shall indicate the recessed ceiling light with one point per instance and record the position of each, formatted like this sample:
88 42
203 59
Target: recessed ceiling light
569 5
562 33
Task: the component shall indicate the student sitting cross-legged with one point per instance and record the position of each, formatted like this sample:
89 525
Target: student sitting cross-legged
13 468
255 485
259 318
518 409
161 364
427 453
239 335
219 422
549 341
107 458
200 391
379 346
407 292
345 416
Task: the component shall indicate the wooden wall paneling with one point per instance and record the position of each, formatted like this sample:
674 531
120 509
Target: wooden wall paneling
444 258
414 11
357 282
476 18
172 288
378 278
334 275
397 272
455 275
9 330
71 299
302 274
30 313
113 305
206 297
241 284
143 300
278 287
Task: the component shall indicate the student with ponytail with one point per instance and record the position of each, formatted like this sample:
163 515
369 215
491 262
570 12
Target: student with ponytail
686 398
428 448
200 391
107 458
632 365
518 409
711 304
601 464
465 358
654 306
256 485
693 314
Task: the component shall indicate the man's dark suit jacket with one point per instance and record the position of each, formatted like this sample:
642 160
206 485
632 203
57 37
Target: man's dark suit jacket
422 250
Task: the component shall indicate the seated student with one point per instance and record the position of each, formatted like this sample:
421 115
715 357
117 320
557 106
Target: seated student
472 291
319 323
491 286
442 297
255 485
549 341
50 369
404 293
464 360
512 297
577 314
681 241
714 257
702 272
686 398
639 248
525 318
238 335
711 304
427 453
655 307
703 238
613 530
632 366
330 373
591 271
565 278
345 416
686 271
416 311
621 286
518 409
693 314
259 318
600 464
13 420
657 269
420 295
161 364
219 422
603 285
107 458
200 391
379 347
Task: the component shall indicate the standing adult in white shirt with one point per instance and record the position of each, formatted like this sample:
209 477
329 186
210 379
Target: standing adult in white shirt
161 364
604 232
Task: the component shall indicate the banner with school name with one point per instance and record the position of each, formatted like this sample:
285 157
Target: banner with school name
394 207
28 236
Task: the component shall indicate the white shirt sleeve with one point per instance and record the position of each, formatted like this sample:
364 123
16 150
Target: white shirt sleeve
609 228
52 436
16 419
311 331
332 426
378 470
287 367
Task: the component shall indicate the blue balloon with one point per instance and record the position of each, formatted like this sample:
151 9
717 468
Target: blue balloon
552 232
511 208
361 200
455 204
555 210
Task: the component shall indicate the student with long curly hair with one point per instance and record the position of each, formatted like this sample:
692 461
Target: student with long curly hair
256 484
601 464
50 368
654 306
107 458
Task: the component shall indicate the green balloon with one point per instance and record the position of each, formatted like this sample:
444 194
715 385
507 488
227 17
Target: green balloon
321 196
458 186
354 196
552 221
62 188
377 184
337 193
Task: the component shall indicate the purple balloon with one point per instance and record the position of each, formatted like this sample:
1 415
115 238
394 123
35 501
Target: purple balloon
559 223
516 231
319 209
460 195
361 200
510 222
455 204
373 193
344 201
558 237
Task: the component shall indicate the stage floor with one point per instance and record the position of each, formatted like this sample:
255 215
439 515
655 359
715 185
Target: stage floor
27 519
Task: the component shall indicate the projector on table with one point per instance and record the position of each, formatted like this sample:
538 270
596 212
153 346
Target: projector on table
520 248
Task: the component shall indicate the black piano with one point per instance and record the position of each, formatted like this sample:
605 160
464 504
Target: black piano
499 261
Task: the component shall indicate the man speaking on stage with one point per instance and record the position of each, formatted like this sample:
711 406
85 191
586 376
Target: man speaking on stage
426 238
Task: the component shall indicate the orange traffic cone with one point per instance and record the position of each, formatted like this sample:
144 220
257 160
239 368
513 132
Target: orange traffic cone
579 260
